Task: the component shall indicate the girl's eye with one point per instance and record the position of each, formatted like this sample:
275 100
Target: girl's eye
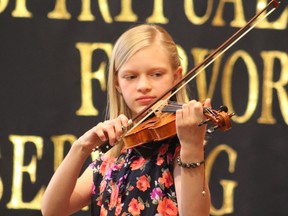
157 74
130 77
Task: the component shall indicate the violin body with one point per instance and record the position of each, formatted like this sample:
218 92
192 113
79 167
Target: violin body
154 129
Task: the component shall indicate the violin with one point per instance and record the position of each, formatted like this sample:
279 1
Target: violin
162 126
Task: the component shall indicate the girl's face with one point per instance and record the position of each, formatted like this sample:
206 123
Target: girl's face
145 77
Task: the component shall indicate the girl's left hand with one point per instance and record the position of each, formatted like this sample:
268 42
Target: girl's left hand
190 135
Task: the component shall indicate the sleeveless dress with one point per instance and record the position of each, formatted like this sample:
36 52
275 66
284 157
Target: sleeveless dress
133 184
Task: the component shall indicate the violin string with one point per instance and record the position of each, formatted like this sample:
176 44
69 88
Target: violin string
203 68
172 106
208 110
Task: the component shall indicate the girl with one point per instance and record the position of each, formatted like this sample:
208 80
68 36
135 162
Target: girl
144 64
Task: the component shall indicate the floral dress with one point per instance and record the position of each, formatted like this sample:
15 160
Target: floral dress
136 185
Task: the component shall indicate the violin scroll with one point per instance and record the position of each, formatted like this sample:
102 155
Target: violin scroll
218 118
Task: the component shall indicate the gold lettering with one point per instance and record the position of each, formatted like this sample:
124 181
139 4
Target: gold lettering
3 5
269 58
59 142
157 15
21 9
203 92
1 188
127 14
184 59
228 194
19 143
239 19
1 184
86 14
281 23
60 11
104 8
86 51
252 87
192 16
228 185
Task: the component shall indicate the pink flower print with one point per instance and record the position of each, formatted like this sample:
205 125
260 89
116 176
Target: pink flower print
156 194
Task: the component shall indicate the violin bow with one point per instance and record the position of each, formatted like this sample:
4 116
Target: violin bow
203 65
209 60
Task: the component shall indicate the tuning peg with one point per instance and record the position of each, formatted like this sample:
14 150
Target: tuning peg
204 122
211 129
223 108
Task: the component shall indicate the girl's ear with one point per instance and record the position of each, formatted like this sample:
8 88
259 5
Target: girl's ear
178 74
116 83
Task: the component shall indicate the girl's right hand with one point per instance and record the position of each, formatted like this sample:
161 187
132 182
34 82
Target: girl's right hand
110 130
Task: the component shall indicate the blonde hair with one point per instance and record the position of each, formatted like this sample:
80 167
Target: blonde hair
129 43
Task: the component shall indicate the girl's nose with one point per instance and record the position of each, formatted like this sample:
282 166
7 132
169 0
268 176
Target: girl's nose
143 85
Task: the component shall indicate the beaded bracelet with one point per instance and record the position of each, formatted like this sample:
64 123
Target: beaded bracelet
188 165
192 165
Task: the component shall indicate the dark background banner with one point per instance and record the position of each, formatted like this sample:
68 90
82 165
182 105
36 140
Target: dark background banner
53 62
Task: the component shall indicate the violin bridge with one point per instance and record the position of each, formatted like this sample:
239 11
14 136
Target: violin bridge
158 112
158 107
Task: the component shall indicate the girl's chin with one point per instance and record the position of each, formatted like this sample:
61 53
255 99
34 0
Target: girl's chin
139 110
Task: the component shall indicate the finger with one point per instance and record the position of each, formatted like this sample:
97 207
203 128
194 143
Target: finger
179 116
98 130
198 109
118 126
207 102
195 113
110 131
124 120
185 113
106 131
